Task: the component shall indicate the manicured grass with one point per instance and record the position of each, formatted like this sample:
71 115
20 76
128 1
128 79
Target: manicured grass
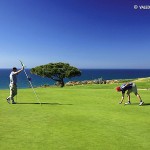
74 118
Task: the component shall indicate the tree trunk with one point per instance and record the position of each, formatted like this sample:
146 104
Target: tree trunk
60 83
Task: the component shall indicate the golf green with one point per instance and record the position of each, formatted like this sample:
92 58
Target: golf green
74 118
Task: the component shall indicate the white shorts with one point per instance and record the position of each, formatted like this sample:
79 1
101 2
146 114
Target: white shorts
133 89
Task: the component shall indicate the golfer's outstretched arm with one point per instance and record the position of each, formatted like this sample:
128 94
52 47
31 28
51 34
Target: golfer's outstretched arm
122 98
19 70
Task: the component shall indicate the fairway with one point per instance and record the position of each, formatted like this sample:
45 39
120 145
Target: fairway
74 118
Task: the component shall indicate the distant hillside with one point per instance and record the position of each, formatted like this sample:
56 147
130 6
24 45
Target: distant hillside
142 79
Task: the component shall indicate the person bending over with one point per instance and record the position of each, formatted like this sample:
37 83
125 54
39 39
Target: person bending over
129 88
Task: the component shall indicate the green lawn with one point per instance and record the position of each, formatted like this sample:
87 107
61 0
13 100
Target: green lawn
74 118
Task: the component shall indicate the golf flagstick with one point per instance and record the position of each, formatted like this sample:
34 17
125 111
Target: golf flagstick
30 82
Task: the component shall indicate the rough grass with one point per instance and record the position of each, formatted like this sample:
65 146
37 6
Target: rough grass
71 118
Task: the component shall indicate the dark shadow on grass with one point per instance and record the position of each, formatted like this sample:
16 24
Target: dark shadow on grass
145 104
43 103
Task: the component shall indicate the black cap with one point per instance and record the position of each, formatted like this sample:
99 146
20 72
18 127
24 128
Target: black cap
14 68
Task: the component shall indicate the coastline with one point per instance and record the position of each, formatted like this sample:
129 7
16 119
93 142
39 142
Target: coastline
101 81
94 82
88 76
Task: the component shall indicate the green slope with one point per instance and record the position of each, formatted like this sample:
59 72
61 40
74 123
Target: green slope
71 118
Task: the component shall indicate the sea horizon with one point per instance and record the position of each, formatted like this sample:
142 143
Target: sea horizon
87 74
97 68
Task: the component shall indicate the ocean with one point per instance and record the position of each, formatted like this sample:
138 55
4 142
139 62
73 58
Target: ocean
87 74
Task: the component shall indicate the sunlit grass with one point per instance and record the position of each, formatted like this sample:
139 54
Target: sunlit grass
80 117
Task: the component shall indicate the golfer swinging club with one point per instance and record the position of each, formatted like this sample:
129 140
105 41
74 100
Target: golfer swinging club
13 84
129 87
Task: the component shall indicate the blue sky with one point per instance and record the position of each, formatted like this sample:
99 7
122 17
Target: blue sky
84 33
